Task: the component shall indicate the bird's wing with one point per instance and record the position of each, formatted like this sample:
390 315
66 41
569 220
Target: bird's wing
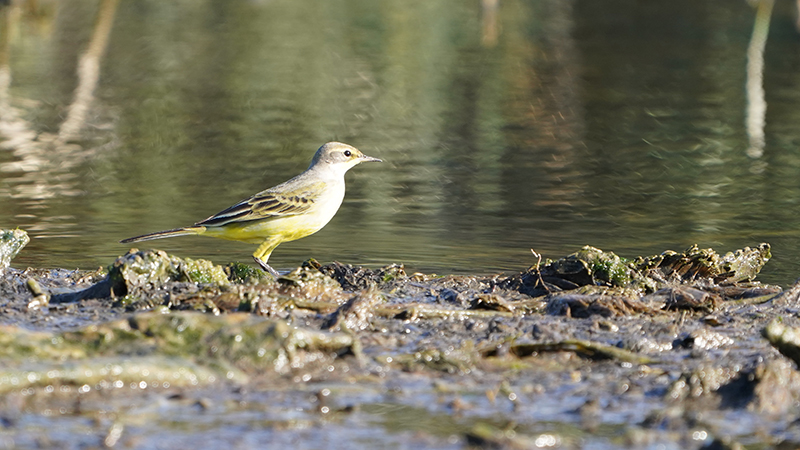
268 204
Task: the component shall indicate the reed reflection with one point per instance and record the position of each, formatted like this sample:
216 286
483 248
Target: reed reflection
43 161
756 104
88 74
42 164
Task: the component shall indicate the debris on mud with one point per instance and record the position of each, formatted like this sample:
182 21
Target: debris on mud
605 272
645 345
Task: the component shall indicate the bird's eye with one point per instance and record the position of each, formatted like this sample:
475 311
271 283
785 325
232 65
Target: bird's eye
347 153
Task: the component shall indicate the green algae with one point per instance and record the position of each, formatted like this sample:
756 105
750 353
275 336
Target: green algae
591 266
144 268
605 267
242 273
202 271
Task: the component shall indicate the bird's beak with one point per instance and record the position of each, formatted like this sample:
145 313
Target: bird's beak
365 158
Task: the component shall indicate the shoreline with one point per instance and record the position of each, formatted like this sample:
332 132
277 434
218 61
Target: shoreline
590 349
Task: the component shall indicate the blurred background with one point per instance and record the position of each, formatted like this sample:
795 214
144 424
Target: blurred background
505 126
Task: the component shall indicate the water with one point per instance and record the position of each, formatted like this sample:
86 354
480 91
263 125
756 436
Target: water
539 125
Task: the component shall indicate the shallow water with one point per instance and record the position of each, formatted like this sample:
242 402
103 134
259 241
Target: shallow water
545 125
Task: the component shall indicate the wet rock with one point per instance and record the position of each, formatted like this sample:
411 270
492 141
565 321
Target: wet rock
744 264
695 263
11 243
139 270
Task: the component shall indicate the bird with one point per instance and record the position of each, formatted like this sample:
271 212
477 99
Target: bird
287 212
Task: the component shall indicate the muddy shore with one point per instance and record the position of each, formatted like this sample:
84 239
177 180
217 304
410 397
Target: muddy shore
678 350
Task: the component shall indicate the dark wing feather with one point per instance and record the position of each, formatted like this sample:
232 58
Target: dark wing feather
264 205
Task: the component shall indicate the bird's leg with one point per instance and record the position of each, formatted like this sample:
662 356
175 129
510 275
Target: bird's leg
267 268
261 255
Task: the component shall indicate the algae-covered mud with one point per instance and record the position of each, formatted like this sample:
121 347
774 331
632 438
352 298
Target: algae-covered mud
676 350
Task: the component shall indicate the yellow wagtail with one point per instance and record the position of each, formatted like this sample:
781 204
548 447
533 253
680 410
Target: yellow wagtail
286 212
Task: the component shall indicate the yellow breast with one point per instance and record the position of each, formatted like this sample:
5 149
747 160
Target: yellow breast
284 227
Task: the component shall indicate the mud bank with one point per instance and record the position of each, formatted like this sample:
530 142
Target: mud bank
588 351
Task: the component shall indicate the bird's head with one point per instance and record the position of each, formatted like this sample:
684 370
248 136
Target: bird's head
340 157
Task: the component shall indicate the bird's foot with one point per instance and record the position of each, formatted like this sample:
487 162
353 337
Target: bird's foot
267 268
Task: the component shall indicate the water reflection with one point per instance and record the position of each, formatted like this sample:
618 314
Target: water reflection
756 105
88 74
506 125
44 162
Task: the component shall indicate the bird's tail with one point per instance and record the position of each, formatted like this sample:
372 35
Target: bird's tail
165 234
